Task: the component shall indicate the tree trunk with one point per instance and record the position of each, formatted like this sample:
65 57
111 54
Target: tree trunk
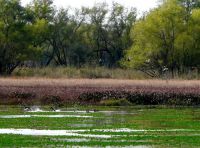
1 69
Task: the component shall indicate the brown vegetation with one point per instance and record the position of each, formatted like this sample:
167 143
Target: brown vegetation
93 91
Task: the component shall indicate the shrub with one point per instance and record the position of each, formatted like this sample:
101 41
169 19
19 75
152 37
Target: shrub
115 102
22 95
51 100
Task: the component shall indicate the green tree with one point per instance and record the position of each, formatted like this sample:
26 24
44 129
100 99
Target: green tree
190 42
189 6
155 37
14 36
110 32
120 23
42 13
42 9
98 35
65 39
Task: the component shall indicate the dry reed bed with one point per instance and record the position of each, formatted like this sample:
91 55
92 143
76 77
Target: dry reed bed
96 82
26 90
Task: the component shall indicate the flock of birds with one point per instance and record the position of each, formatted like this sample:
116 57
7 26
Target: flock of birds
54 109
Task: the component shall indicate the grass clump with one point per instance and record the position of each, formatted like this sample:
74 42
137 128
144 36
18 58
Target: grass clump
115 102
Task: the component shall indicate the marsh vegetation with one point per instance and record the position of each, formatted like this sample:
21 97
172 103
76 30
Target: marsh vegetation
59 92
114 126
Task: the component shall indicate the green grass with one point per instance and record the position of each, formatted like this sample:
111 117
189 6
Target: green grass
139 117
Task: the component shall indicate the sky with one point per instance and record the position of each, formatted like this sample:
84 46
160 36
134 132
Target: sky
141 5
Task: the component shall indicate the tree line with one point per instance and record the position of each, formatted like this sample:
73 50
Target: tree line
39 32
167 37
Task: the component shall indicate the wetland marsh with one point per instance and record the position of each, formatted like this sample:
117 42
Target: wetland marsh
100 127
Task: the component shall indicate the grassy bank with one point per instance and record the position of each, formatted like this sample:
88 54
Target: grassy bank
86 72
35 91
96 72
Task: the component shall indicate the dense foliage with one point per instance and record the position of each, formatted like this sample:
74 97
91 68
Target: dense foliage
39 34
42 35
167 38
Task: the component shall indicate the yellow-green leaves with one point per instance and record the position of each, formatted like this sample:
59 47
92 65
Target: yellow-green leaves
165 37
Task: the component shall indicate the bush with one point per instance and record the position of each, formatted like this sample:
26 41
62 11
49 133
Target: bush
51 100
22 95
115 102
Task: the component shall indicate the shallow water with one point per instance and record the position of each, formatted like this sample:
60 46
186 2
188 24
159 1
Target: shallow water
45 116
112 127
39 110
33 132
